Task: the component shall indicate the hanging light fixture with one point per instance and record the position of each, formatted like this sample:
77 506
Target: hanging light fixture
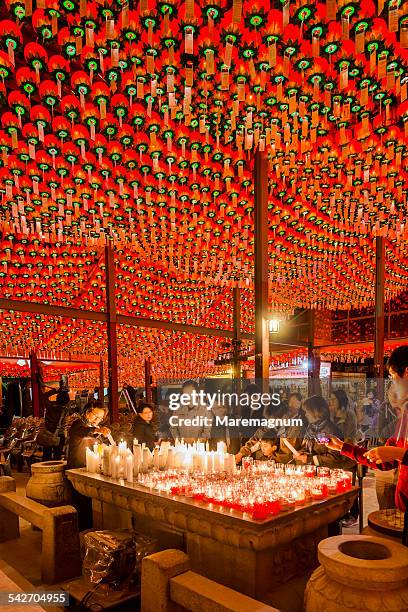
274 325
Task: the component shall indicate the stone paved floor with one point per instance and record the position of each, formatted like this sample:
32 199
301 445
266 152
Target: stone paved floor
10 583
24 554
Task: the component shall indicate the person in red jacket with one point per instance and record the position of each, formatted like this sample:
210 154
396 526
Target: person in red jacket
395 452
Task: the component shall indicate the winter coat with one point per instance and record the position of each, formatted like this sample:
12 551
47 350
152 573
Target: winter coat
144 432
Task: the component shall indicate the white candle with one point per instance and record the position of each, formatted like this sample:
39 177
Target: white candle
88 459
162 460
203 462
106 460
210 462
222 461
116 465
129 467
146 457
137 458
156 458
112 457
170 459
221 448
178 459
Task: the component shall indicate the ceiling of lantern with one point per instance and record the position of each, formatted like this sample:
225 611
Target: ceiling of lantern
137 123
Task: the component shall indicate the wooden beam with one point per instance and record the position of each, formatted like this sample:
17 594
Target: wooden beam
91 315
274 346
261 268
111 334
35 384
74 361
179 327
52 311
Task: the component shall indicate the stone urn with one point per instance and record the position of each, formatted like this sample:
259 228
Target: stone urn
48 484
359 573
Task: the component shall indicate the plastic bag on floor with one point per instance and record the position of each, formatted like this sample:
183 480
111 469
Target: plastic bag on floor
113 557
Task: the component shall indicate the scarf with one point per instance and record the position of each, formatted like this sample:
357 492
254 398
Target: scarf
400 388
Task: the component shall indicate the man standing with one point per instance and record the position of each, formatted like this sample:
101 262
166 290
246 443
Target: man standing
193 409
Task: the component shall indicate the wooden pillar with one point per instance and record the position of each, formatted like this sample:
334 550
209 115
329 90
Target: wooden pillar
35 383
236 341
101 384
313 359
111 334
148 386
261 268
379 312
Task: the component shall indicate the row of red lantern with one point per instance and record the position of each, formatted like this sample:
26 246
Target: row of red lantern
156 290
143 292
140 290
169 352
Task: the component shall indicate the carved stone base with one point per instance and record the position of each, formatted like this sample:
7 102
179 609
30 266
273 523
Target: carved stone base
368 575
253 572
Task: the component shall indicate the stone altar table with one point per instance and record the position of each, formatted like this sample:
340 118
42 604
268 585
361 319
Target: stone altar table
251 556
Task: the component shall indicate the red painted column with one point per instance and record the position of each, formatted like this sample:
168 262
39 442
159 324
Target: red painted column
236 341
112 334
261 268
101 383
379 314
35 383
148 386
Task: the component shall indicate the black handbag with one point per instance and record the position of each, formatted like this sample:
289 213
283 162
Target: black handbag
47 438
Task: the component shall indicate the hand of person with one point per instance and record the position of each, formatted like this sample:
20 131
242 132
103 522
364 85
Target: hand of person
383 454
302 457
238 458
105 431
335 443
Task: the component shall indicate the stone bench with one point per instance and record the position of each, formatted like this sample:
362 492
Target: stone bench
60 556
168 585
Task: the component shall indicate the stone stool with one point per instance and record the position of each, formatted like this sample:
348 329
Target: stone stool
385 524
359 573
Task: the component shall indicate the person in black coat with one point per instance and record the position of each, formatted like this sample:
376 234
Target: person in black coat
143 429
82 434
320 426
54 415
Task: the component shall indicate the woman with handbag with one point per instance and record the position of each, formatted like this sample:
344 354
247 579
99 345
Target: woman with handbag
51 436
